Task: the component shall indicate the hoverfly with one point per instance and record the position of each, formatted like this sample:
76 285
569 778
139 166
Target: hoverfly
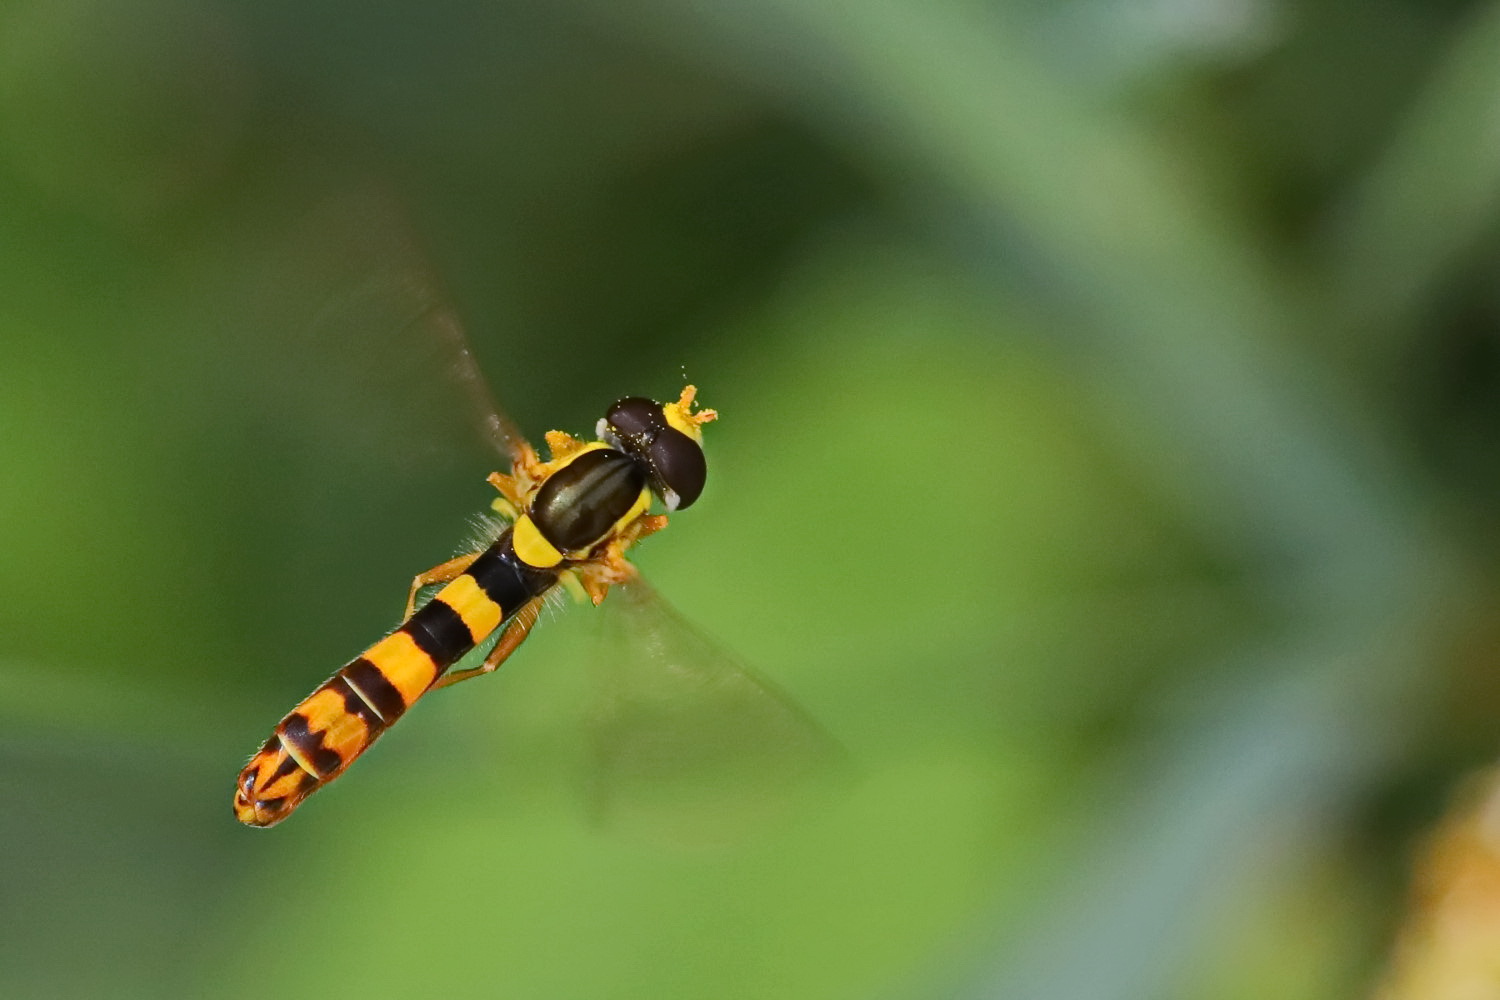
571 519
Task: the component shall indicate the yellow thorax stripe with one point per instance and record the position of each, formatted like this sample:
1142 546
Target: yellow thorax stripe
641 505
531 548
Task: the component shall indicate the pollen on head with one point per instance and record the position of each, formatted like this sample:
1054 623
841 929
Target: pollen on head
679 414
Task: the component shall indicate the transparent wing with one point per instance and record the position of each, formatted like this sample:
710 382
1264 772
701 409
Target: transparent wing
690 745
391 281
352 329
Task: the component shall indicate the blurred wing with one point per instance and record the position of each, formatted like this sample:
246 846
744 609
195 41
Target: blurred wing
690 745
423 338
353 330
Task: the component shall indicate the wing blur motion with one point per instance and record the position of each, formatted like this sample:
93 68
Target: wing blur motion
690 746
400 289
362 341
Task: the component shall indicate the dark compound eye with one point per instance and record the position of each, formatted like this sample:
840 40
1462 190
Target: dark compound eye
678 464
675 461
635 415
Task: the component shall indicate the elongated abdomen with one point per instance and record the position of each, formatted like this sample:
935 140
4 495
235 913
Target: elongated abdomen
336 723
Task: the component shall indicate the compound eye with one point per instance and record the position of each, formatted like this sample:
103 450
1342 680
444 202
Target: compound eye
634 416
678 465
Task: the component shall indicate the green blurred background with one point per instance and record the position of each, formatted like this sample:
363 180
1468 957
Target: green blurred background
1109 458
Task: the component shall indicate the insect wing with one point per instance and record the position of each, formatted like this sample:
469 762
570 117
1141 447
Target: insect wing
354 334
689 744
397 285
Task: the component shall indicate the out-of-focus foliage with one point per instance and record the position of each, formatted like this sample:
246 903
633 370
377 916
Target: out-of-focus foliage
1109 457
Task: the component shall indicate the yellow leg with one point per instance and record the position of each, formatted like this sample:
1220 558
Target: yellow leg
574 586
510 640
646 526
610 566
441 573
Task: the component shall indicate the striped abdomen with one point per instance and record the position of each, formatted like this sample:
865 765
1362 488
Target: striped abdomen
338 721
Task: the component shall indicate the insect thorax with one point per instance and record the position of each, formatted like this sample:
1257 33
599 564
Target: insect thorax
589 499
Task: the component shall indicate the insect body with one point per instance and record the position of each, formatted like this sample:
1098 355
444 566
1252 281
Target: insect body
575 514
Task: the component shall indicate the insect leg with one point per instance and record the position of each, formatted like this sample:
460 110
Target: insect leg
441 573
610 566
644 527
510 640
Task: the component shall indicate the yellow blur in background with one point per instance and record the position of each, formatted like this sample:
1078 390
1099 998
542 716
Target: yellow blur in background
1109 458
